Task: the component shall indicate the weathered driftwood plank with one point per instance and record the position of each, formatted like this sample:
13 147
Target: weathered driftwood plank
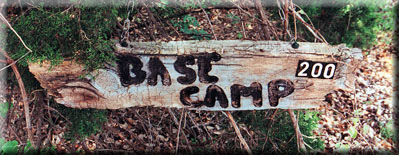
207 75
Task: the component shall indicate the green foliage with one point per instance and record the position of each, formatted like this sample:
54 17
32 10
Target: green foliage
235 19
342 148
4 109
85 122
282 130
308 122
10 147
388 130
28 149
189 25
351 23
48 150
352 132
81 33
239 35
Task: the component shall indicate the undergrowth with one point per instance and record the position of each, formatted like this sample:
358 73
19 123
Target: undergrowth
281 131
85 122
354 23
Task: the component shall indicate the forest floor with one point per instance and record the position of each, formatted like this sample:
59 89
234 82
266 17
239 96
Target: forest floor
364 120
357 121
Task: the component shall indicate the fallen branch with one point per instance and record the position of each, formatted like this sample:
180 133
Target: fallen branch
300 143
237 130
23 94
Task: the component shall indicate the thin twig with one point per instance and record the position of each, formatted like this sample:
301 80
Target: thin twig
258 5
178 131
207 17
315 33
300 143
184 134
242 25
295 34
19 37
285 18
249 14
237 130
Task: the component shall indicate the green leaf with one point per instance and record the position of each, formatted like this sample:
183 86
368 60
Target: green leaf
11 147
355 121
302 12
3 109
343 148
337 145
353 132
28 149
2 142
239 35
366 129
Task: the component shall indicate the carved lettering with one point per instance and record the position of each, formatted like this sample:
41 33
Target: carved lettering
124 71
156 68
180 67
205 66
279 88
213 93
185 98
254 90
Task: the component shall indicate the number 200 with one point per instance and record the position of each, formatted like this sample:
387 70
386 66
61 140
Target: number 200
313 69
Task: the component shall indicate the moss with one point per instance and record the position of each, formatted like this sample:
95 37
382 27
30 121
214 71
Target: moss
85 122
80 33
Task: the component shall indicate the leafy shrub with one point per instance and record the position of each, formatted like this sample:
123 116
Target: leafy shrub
353 22
189 25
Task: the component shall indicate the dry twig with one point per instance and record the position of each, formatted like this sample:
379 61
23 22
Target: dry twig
300 143
266 30
285 18
315 33
207 17
178 131
237 130
184 134
267 21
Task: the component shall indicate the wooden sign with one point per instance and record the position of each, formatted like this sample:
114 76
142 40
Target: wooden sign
207 75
